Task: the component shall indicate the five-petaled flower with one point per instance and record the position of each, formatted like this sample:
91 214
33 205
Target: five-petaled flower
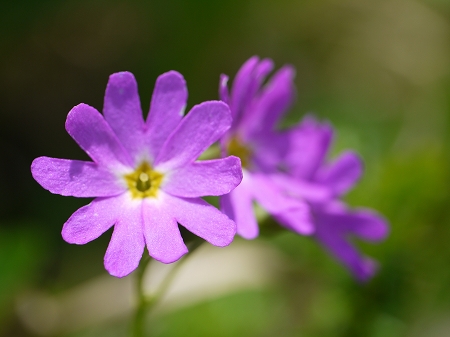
144 175
335 224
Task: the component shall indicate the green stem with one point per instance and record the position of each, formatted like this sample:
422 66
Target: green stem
146 302
172 273
142 303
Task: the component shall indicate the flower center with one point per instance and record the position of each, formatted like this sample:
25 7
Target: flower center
144 182
235 148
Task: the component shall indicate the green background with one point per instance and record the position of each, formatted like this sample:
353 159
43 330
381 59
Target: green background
379 71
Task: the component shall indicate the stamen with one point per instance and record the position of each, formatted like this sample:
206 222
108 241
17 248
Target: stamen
144 182
236 148
144 177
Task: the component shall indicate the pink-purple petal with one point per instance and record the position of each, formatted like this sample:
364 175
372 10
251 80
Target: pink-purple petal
162 236
166 109
362 268
342 174
269 151
122 110
270 196
238 205
256 78
272 102
309 145
363 223
75 178
299 188
202 126
263 68
127 243
208 177
92 220
90 130
297 219
335 225
240 87
202 219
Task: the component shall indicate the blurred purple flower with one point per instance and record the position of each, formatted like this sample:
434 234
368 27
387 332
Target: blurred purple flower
144 176
256 110
286 172
335 224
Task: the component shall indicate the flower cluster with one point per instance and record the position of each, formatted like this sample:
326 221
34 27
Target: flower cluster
146 179
286 171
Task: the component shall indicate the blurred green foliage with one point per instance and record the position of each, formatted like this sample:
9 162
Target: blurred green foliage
378 71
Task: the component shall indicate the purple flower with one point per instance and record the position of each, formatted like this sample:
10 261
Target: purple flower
335 224
286 171
144 176
253 137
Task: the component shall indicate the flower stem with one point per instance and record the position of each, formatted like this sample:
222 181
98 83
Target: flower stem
146 302
142 302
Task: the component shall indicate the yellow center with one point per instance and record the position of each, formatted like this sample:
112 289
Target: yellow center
235 148
144 182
